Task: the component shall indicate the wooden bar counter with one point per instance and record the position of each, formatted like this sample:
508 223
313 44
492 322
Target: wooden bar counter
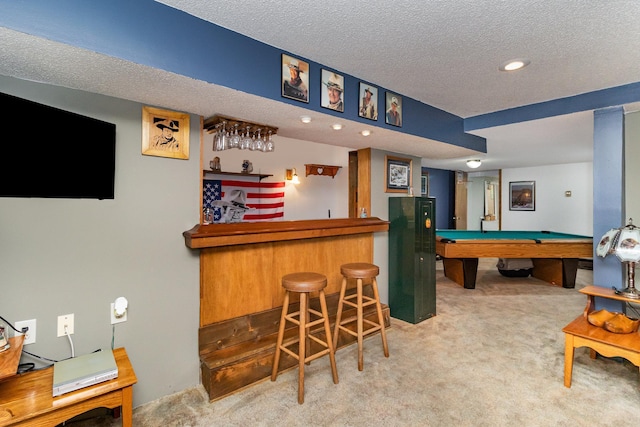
241 264
241 294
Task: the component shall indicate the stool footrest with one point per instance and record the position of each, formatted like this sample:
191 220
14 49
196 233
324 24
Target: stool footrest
295 319
365 332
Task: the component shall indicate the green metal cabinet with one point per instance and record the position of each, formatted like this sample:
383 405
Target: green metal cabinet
412 258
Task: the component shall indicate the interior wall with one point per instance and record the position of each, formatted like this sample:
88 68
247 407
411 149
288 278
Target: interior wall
61 256
442 188
632 166
476 191
380 209
317 196
553 210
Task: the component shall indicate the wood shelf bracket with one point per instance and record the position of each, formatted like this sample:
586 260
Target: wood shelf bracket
328 170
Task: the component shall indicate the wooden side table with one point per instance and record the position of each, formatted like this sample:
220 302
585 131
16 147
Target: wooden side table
26 399
580 333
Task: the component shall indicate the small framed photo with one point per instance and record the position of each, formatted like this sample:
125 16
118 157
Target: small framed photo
522 196
393 110
295 78
165 133
368 105
424 184
397 174
332 91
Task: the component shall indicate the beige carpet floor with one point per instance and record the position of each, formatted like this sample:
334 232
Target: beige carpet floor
492 356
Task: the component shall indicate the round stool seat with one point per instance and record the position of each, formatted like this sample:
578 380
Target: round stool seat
359 270
304 282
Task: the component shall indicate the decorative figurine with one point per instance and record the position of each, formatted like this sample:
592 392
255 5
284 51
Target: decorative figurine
215 164
247 167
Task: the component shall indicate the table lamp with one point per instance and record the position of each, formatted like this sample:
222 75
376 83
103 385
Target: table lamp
624 242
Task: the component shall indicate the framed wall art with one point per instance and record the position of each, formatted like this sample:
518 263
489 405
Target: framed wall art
332 91
522 196
295 78
165 133
368 105
393 115
397 174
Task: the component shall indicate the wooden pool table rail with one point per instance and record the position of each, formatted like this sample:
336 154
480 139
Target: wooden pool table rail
554 260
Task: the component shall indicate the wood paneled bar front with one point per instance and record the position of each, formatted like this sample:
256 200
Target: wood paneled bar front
241 264
241 293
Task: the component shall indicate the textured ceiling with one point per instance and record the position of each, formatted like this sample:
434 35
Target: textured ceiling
443 53
446 53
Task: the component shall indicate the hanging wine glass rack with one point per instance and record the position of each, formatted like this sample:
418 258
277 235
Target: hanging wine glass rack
242 125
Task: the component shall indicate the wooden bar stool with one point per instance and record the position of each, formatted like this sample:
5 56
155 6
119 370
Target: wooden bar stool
304 283
360 271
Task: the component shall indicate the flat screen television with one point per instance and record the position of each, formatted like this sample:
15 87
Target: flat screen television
52 153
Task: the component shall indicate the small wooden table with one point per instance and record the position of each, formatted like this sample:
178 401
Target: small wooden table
580 333
27 399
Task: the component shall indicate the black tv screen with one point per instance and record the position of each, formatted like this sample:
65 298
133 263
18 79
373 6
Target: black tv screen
49 152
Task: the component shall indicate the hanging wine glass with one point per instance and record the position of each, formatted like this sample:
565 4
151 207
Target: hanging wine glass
259 142
268 146
234 141
245 142
216 139
254 140
224 137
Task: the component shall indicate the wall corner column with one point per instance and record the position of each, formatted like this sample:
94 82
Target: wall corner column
608 189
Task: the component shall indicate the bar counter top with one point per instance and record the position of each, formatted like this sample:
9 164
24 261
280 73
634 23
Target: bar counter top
217 235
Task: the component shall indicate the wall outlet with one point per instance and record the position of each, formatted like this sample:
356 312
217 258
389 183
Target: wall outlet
30 336
65 320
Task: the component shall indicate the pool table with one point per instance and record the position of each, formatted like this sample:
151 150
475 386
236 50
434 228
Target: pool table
554 255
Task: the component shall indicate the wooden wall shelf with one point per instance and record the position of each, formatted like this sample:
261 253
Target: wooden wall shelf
313 169
260 176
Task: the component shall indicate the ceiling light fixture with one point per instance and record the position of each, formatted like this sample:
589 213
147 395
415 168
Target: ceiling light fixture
305 119
514 64
336 126
365 132
474 164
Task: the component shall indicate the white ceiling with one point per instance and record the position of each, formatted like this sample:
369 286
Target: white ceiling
443 53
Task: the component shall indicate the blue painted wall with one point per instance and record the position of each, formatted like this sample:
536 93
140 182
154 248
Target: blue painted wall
149 33
442 187
608 195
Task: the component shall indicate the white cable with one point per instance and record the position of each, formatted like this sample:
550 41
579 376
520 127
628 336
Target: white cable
73 352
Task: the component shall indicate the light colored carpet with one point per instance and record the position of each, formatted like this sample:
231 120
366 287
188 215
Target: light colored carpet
493 356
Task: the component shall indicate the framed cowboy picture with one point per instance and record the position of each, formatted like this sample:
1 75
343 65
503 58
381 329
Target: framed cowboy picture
368 106
393 115
332 91
165 133
295 78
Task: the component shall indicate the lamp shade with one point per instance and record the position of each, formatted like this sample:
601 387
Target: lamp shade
623 242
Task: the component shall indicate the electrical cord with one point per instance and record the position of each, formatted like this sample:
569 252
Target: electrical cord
26 367
73 352
39 357
13 327
634 309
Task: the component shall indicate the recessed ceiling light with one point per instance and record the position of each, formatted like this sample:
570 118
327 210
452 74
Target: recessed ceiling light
365 132
305 119
514 64
336 126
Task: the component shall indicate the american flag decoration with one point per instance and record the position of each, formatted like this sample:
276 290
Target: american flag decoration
244 201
